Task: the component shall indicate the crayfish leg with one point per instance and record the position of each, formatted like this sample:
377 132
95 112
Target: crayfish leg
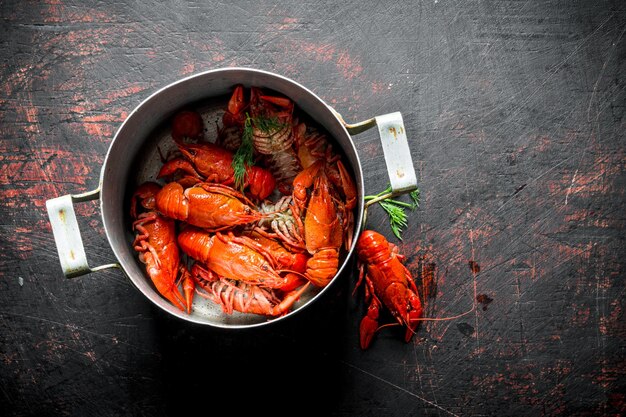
361 267
189 286
288 301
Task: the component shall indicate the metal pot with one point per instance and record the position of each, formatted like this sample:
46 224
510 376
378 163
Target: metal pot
133 153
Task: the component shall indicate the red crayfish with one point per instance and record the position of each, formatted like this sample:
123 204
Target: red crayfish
157 246
212 206
208 162
324 227
387 282
242 274
246 250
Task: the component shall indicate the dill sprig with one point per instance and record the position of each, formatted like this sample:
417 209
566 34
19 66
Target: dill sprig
244 157
268 125
396 209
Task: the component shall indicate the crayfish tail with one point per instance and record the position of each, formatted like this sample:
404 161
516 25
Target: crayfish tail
175 298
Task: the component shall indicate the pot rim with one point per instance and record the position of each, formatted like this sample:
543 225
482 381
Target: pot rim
110 226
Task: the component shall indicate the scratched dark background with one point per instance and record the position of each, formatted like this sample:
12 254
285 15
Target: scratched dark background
515 116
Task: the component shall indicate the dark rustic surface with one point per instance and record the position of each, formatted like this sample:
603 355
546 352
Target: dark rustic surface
515 114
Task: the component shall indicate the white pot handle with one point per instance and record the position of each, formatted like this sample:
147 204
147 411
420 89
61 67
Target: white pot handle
67 234
395 148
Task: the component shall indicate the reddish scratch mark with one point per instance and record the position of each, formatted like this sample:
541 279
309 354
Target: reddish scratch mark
188 69
83 42
21 169
288 23
32 118
73 84
78 108
323 53
378 87
542 143
429 284
476 137
608 374
34 195
614 323
582 314
598 180
101 125
589 217
96 225
56 12
123 92
350 67
107 117
22 241
98 130
537 144
566 252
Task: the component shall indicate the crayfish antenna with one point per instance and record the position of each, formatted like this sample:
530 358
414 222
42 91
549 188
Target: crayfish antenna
410 329
382 326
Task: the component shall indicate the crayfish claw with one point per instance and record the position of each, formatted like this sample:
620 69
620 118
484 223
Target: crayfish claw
369 324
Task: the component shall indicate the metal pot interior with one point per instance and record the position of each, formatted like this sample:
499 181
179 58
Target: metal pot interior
134 157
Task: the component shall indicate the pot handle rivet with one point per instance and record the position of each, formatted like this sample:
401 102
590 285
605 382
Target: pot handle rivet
67 234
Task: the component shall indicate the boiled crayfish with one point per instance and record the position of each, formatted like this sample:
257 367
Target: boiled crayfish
156 244
208 162
323 227
238 258
234 295
273 138
230 134
253 233
387 283
211 206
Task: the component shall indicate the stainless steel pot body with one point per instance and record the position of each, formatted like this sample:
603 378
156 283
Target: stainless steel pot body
133 153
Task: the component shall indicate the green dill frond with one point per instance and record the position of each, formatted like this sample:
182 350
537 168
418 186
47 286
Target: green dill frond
397 217
395 209
267 124
415 196
244 157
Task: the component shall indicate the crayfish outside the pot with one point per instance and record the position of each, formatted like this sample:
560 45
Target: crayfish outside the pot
387 283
